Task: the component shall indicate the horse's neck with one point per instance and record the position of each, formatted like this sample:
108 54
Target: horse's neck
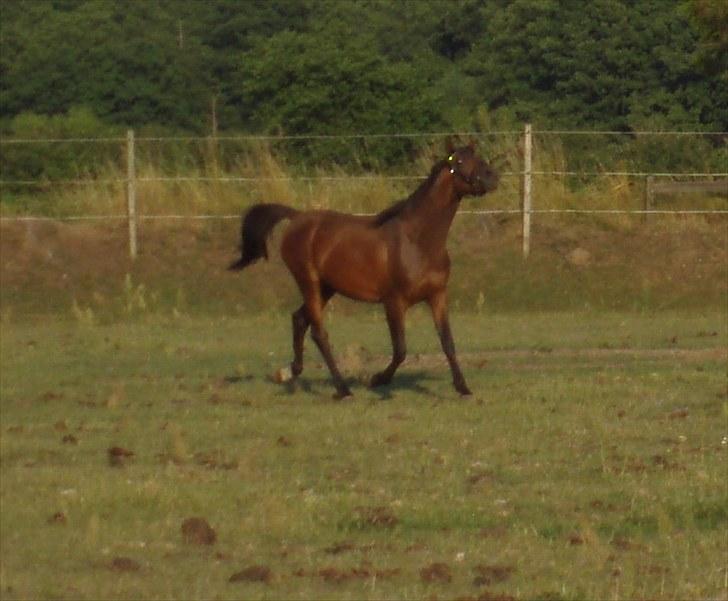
431 219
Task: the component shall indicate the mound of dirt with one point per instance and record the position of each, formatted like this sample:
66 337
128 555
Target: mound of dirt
196 531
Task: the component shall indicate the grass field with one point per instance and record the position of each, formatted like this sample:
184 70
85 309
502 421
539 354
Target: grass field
588 464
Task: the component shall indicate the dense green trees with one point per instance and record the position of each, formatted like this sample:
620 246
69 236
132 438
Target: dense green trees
602 63
120 59
307 66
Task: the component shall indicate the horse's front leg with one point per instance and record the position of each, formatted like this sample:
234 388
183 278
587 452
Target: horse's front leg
395 320
438 305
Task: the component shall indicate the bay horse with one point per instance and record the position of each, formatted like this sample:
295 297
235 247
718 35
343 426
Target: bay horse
397 257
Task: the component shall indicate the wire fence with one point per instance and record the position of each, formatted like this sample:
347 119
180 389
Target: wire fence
43 183
367 136
237 216
525 174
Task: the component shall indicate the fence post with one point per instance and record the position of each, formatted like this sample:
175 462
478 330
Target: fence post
131 193
649 196
526 204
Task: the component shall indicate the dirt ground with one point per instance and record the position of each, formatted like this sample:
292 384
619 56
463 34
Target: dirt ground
671 263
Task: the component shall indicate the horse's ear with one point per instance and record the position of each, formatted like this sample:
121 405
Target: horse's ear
449 145
472 142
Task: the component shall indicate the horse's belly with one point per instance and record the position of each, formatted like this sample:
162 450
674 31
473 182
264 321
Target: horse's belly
357 268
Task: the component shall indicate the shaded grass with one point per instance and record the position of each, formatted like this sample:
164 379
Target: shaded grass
583 472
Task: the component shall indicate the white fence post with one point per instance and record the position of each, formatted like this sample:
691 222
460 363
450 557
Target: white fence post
526 205
131 193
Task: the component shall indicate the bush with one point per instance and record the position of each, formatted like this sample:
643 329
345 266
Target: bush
62 158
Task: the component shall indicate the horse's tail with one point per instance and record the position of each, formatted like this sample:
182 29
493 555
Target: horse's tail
258 223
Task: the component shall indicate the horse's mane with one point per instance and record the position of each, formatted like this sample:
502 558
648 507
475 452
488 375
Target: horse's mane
412 200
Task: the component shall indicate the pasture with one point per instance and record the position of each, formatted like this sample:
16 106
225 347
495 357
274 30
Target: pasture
588 464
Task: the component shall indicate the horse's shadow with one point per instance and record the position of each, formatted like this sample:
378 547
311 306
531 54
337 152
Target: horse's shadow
410 382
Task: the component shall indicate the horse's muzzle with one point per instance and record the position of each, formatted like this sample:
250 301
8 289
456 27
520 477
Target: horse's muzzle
486 182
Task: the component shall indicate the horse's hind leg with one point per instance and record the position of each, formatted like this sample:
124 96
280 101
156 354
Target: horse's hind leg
395 321
314 301
300 324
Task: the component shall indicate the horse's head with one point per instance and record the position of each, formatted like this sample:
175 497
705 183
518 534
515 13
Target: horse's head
473 176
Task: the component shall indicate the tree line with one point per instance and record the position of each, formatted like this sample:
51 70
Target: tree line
302 67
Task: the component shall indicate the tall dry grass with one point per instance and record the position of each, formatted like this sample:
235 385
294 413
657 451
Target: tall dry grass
260 174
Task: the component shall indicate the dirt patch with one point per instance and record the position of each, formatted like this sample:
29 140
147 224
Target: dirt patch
496 532
576 539
486 575
216 460
579 257
196 531
664 463
678 414
119 456
58 518
436 572
481 477
490 596
374 517
124 564
256 573
336 575
338 548
625 544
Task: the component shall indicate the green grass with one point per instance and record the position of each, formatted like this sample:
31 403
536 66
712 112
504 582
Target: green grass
588 464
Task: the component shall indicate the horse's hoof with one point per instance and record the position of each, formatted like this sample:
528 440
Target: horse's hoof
463 389
342 394
379 380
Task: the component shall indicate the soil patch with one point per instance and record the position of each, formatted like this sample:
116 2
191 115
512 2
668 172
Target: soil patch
196 531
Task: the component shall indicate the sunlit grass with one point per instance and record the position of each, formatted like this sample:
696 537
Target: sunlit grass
588 464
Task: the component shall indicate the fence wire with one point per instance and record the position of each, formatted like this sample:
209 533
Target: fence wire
357 136
252 180
237 216
334 178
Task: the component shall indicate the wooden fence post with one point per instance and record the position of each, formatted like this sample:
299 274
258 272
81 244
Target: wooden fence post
526 203
649 196
131 193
